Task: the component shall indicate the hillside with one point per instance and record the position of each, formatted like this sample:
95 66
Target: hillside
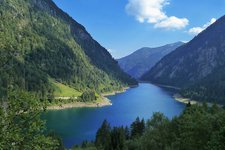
39 42
197 67
142 60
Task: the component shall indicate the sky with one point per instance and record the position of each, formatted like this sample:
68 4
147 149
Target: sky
124 26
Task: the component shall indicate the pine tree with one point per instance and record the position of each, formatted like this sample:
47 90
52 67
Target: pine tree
127 133
118 139
103 137
137 128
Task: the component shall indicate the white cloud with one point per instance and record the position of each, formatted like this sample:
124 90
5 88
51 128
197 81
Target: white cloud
197 30
173 23
151 11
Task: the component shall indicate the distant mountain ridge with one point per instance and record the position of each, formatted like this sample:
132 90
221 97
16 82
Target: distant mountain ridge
142 60
198 66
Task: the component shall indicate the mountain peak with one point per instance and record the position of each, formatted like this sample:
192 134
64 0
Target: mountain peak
142 60
199 63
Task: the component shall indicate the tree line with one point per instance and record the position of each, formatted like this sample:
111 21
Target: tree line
197 128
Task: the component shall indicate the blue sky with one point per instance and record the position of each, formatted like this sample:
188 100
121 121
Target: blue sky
123 26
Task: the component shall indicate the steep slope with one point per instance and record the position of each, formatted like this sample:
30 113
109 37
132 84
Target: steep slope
198 66
142 60
39 42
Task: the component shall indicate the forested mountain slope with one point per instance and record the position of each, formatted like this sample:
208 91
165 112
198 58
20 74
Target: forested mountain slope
198 66
39 42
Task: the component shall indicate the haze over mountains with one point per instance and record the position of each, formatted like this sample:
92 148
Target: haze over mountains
41 44
142 60
198 66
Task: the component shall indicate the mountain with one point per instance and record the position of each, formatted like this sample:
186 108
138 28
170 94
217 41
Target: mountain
142 60
197 67
42 46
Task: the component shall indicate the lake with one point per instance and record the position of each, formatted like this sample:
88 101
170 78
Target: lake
78 124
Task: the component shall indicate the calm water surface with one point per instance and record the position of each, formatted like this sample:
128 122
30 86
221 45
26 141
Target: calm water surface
78 124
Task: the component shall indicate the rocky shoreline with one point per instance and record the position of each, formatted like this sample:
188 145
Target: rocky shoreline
181 99
105 102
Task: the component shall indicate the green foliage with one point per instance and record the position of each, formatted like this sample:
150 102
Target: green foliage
192 130
156 135
133 144
127 133
210 89
118 139
103 137
88 96
85 146
216 141
110 139
21 126
39 41
61 90
197 128
137 128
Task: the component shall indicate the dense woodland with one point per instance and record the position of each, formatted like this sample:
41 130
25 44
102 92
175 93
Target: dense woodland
210 89
88 96
39 42
197 128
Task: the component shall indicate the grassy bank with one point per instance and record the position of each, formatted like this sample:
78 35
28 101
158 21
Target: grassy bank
66 97
62 90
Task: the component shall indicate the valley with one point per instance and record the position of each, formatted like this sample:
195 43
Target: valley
70 78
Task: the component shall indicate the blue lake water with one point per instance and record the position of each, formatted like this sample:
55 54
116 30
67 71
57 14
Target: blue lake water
78 124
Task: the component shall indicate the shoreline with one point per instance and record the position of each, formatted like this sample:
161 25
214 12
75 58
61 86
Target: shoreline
178 97
162 85
167 86
115 92
183 100
104 102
